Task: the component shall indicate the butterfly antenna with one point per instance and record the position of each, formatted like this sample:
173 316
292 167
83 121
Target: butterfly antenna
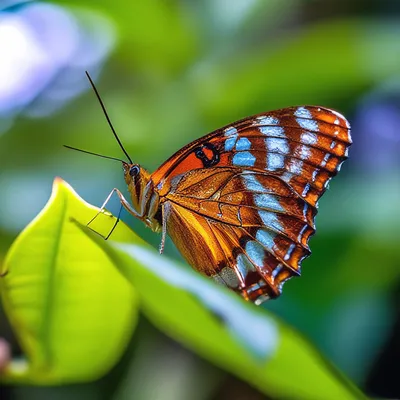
93 154
107 117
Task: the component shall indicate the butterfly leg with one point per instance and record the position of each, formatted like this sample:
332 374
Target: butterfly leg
164 229
116 223
124 203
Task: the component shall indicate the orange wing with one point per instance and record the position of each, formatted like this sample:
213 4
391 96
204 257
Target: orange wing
240 202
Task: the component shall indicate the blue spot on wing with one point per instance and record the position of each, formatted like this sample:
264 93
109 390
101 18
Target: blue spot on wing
244 159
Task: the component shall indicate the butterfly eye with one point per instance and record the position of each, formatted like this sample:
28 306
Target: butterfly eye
134 171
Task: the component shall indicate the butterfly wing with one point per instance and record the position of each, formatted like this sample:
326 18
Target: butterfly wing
240 202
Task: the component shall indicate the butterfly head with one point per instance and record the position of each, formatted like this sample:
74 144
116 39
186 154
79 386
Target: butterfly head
133 173
136 178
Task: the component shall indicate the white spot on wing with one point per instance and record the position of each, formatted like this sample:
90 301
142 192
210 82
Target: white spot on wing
305 119
255 252
266 238
314 175
251 183
276 270
268 201
340 116
296 166
303 229
244 265
266 120
275 161
308 124
270 219
302 112
305 152
306 190
277 131
325 160
245 159
289 252
287 176
309 138
277 144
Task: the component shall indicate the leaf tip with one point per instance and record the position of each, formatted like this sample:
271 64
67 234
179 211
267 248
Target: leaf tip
60 184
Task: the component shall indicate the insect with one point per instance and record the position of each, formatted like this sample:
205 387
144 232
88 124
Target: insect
240 202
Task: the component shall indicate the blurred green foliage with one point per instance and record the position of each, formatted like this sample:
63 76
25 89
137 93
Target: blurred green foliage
183 68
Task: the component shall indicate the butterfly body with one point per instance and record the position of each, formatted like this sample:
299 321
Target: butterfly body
240 202
145 200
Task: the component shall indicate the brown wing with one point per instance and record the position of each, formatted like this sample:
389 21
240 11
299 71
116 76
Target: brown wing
248 230
240 203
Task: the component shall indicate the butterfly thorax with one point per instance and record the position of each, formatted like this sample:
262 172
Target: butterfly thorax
145 200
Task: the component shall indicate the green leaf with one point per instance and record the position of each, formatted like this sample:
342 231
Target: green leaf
72 298
218 325
71 310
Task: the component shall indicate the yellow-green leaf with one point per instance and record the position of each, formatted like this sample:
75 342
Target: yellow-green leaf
71 310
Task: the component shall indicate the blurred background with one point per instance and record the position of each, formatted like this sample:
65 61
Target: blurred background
170 72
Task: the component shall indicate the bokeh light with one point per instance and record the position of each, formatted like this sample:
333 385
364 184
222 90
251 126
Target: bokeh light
46 48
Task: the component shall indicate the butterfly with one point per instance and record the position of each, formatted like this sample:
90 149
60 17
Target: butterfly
240 202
